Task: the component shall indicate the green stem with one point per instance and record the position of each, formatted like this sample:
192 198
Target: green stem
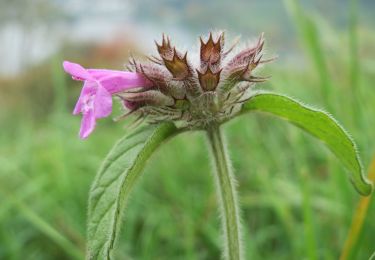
227 195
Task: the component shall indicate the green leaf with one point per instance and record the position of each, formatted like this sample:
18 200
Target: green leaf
319 124
113 183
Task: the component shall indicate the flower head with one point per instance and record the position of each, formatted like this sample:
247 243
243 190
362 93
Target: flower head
99 85
170 88
196 96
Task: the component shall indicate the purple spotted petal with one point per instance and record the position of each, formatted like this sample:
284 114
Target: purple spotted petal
87 123
88 89
77 71
95 100
102 103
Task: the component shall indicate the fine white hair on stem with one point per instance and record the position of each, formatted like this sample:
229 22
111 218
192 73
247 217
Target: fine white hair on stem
226 188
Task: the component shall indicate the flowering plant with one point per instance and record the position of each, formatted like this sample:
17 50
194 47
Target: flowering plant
172 95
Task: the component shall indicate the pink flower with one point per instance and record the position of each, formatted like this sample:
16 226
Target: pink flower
99 85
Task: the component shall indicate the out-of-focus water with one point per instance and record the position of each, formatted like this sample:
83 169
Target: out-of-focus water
30 31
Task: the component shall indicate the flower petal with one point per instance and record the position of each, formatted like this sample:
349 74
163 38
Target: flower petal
88 89
116 81
87 124
119 82
77 71
103 73
102 103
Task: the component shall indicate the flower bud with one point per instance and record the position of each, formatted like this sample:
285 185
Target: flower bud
150 97
178 66
209 80
210 52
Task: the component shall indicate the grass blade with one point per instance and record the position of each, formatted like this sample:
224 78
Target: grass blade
72 250
310 39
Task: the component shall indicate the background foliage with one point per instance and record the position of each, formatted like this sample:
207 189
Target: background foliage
296 201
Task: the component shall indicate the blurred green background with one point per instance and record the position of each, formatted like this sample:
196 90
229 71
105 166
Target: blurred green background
296 199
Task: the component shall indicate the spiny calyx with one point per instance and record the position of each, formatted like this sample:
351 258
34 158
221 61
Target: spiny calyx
190 95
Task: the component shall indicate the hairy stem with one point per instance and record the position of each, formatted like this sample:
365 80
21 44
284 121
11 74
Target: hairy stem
227 194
